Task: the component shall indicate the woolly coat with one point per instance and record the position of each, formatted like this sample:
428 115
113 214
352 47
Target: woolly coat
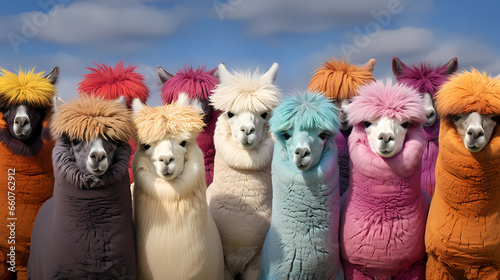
429 157
384 212
32 183
205 141
176 236
302 242
240 196
464 221
341 141
85 230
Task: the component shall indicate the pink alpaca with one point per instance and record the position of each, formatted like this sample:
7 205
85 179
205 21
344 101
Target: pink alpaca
194 87
427 79
383 213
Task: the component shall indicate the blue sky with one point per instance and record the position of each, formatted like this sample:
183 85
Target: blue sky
245 34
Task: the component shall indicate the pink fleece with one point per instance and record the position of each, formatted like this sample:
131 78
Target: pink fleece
205 141
431 151
384 212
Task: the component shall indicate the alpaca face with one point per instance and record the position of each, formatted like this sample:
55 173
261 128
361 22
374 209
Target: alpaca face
168 157
202 105
475 130
247 128
93 158
430 112
304 148
24 122
342 105
386 135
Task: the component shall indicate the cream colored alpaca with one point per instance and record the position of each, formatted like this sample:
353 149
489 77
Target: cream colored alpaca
176 236
240 196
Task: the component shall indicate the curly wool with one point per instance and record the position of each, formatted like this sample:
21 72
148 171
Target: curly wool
197 84
173 120
339 79
90 116
246 92
469 91
27 87
112 83
390 100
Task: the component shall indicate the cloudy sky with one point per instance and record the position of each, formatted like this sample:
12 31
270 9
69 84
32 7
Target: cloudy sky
245 34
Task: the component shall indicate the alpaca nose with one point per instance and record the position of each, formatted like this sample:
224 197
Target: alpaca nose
430 113
386 136
21 120
247 128
166 159
302 152
475 132
97 155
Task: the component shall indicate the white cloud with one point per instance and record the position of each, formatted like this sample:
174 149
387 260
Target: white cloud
266 17
95 22
410 45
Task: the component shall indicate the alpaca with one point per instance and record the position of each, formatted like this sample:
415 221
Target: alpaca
383 214
302 242
461 236
339 80
194 87
426 79
240 196
25 147
85 231
113 83
176 236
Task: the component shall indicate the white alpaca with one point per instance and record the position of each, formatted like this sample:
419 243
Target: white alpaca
176 236
240 196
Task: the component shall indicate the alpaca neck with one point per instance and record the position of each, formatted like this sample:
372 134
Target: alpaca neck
306 197
431 133
394 180
238 158
468 181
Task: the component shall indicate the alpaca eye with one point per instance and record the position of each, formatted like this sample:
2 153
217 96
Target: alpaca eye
75 142
230 115
494 118
264 115
456 118
286 136
367 124
323 135
183 143
405 125
146 146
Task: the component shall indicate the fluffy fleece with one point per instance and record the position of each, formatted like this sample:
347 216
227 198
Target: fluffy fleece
91 116
176 236
112 83
86 229
385 208
240 196
27 87
426 78
338 79
27 165
461 234
302 242
197 84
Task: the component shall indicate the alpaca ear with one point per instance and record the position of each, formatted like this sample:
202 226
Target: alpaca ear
452 66
164 75
56 102
213 72
137 106
52 76
222 74
122 100
397 66
272 72
370 65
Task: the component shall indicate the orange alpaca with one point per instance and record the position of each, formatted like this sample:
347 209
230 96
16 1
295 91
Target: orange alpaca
26 176
463 227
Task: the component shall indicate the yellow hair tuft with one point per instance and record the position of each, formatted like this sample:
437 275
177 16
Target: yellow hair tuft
27 87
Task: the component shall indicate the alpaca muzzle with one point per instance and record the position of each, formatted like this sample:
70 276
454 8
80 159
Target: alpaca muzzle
302 157
97 162
22 124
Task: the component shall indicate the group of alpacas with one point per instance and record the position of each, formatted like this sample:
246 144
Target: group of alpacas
258 154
